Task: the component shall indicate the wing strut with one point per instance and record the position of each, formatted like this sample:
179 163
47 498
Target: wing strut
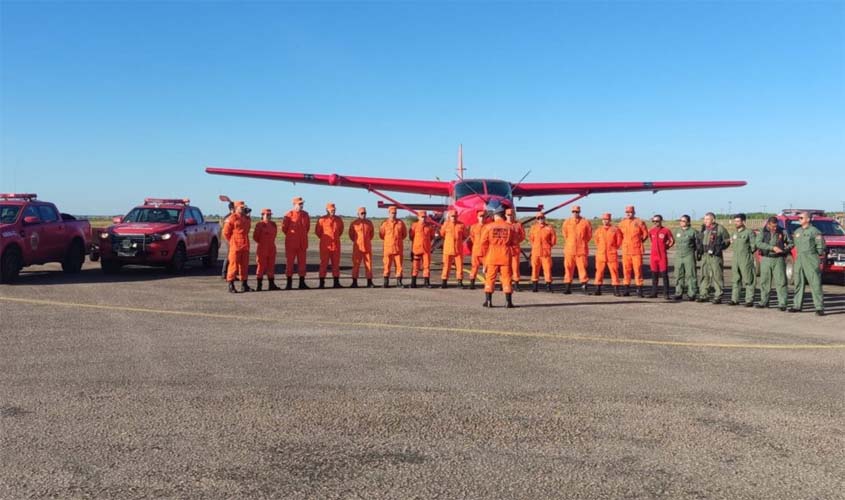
400 204
556 207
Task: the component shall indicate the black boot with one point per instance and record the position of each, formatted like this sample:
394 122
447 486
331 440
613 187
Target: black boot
616 291
445 283
370 284
461 284
508 300
302 285
272 286
585 288
654 278
535 286
245 287
427 282
549 287
627 292
386 282
399 283
336 283
598 290
322 284
567 289
289 284
516 286
232 287
640 291
354 283
472 284
260 285
488 300
413 281
666 287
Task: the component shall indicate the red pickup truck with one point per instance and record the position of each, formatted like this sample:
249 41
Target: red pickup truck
35 232
161 232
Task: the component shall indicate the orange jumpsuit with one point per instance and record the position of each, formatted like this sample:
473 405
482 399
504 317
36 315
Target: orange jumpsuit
422 234
265 255
453 234
516 251
497 240
608 239
543 239
634 233
328 229
361 233
296 225
236 232
577 234
477 257
393 232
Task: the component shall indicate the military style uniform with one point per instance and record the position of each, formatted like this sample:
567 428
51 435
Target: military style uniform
773 265
714 240
742 267
686 274
810 245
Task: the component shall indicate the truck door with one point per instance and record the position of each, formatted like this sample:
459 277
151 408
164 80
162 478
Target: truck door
55 233
203 235
33 239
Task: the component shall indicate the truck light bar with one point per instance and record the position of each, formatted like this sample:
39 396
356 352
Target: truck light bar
792 212
166 201
18 196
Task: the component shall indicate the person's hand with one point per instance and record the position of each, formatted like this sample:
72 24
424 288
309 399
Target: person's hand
777 250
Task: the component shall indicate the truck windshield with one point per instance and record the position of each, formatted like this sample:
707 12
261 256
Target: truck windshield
165 215
9 213
827 227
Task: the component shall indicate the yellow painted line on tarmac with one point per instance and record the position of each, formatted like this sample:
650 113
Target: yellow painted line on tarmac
396 326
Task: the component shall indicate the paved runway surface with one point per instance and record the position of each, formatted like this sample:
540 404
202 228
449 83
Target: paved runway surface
149 385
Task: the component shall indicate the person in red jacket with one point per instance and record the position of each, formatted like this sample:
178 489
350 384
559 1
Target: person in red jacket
422 235
543 239
264 235
393 232
661 242
296 225
497 240
361 232
516 251
453 233
328 229
236 232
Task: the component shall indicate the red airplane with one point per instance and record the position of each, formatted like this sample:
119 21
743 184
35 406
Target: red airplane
467 196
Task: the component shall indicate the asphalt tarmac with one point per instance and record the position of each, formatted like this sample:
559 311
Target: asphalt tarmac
145 385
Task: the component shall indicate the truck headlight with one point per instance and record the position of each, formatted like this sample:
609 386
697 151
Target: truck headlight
166 236
104 236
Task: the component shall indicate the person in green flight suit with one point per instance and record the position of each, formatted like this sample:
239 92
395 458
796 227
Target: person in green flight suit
686 275
774 244
742 267
714 240
810 245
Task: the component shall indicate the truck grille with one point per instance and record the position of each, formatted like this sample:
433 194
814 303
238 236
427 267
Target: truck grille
130 245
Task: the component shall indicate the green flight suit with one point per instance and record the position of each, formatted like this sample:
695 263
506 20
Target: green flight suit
773 265
686 275
810 245
714 240
742 267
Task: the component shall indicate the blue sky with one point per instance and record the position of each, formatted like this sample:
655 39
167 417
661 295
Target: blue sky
103 104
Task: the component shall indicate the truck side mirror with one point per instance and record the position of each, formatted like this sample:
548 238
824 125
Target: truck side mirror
117 219
190 221
31 219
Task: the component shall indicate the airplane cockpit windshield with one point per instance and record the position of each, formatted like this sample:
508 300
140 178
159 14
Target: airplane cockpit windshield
467 188
499 188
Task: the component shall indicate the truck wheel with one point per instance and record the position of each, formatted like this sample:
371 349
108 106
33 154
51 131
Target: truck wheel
210 260
10 265
790 271
110 266
74 257
177 263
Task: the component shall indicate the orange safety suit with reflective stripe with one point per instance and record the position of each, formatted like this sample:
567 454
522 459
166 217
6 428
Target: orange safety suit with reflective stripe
361 233
497 240
477 257
453 234
608 239
577 234
422 234
516 251
543 239
328 229
236 232
634 232
393 232
265 255
296 225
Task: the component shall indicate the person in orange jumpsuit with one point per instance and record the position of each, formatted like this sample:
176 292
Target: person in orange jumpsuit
453 233
393 232
422 235
236 232
661 241
361 233
296 225
328 229
516 251
264 235
577 233
543 239
497 242
608 239
477 257
634 233
225 272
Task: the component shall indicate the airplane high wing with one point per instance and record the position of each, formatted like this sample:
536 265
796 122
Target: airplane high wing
550 188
